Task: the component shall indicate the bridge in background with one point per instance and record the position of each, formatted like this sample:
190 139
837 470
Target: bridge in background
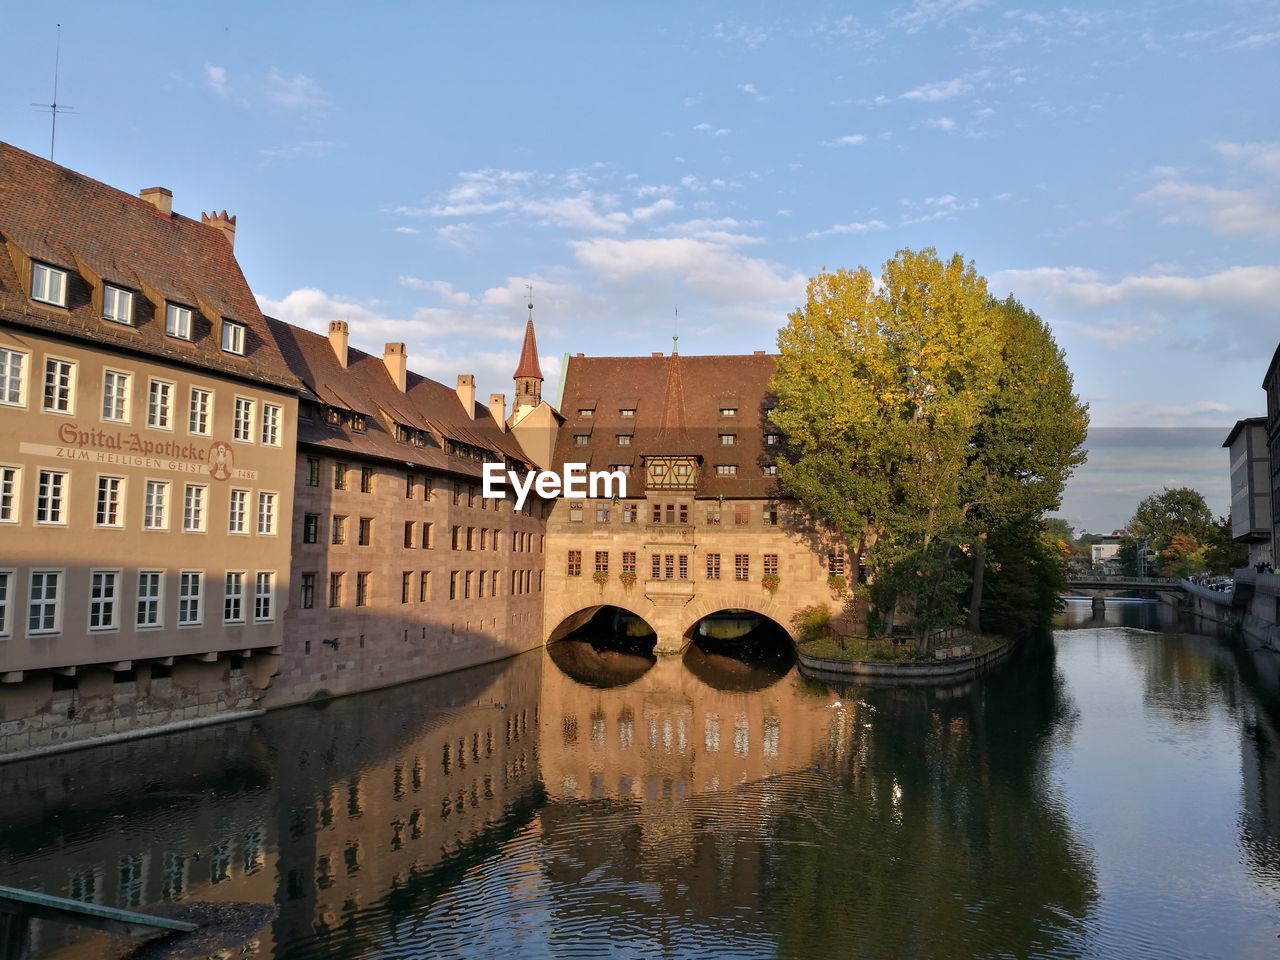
1098 587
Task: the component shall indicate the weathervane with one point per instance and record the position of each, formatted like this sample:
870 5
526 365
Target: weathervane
54 108
529 288
675 336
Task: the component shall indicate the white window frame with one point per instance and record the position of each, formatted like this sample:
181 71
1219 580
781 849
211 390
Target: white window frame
197 596
270 500
64 485
205 411
118 500
241 529
178 320
158 599
70 409
272 419
60 577
195 514
238 596
8 581
243 403
267 597
160 415
235 332
117 304
119 397
113 601
10 493
43 276
149 502
9 396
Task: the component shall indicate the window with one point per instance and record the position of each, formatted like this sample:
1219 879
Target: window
769 470
115 396
242 424
726 470
602 513
427 539
177 321
406 585
310 527
602 561
160 405
835 564
728 439
713 566
669 566
629 561
193 500
453 584
307 592
200 412
339 476
424 586
362 589
155 508
42 607
466 585
59 386
457 538
48 284
6 586
270 425
13 367
117 304
366 531
624 439
313 472
189 583
366 479
102 599
266 514
107 513
263 595
682 566
335 589
357 422
51 489
9 477
581 439
408 533
333 416
410 481
741 566
657 513
233 337
627 412
575 513
740 515
149 585
728 411
713 514
770 565
428 489
684 513
629 511
575 563
770 511
457 493
657 567
339 530
233 604
237 515
772 439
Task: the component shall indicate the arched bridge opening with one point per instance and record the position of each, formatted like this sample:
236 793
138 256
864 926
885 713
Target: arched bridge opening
603 646
738 650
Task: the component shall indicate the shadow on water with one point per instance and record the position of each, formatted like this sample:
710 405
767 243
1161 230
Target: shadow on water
738 652
612 649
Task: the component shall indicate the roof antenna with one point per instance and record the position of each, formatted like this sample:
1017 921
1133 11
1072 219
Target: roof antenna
675 337
54 108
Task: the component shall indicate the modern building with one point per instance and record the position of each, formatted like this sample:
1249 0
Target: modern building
146 463
702 527
1105 554
1251 488
401 568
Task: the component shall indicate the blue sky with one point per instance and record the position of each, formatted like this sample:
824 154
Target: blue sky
410 168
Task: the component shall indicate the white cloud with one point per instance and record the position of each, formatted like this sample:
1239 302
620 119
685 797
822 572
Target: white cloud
940 90
1224 210
1256 41
290 151
933 13
723 230
461 236
849 140
404 229
442 288
750 90
215 79
711 130
839 228
942 123
655 209
298 92
1263 156
741 34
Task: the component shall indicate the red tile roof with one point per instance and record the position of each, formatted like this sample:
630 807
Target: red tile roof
677 404
97 233
528 365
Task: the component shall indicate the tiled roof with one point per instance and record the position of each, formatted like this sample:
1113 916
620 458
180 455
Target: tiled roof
97 233
677 404
528 365
365 386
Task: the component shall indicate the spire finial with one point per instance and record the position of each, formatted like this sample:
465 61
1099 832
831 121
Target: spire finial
529 289
675 336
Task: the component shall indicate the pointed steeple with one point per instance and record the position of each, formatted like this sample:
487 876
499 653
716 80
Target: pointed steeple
672 435
528 375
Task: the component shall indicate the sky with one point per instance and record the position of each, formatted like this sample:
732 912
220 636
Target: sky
410 168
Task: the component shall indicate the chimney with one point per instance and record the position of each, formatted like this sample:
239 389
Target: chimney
338 340
159 197
397 363
498 409
467 393
221 222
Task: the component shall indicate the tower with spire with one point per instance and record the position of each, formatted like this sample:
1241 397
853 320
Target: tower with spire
528 375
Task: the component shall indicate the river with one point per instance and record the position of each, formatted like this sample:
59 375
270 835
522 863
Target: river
1114 792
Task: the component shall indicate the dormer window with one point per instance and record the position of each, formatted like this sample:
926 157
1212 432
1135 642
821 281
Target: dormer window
624 439
586 412
770 469
419 438
403 434
726 469
581 439
772 439
333 416
728 411
627 412
357 422
117 304
48 284
728 439
233 337
177 321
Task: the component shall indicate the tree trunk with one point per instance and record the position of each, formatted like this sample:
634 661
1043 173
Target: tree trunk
979 571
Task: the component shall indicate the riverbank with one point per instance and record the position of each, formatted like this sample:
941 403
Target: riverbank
831 657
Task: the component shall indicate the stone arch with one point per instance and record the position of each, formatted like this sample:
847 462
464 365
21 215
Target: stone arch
765 606
568 617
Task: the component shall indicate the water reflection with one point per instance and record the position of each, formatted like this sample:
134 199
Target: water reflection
594 799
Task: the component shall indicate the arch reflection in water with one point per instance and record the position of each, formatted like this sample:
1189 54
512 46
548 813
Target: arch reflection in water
612 648
738 650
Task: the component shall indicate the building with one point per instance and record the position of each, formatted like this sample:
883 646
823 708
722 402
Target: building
1105 554
702 527
401 569
1251 488
533 421
146 463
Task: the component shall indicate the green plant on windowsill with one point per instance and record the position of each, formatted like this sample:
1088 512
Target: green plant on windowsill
838 584
600 577
770 582
627 578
